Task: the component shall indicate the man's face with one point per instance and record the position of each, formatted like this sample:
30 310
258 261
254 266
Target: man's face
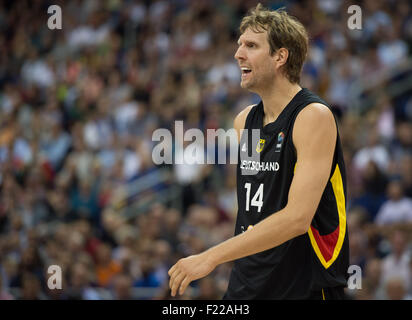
256 63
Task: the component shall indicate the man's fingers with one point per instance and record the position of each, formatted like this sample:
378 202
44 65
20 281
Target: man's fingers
184 285
176 283
173 277
171 270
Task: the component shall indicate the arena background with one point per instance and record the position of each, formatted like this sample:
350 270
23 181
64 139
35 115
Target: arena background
78 107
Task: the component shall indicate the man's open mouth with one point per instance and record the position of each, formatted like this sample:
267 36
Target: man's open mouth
246 70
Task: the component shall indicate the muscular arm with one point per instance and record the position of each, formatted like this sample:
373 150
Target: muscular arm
314 137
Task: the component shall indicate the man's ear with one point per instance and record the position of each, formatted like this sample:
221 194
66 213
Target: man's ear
281 56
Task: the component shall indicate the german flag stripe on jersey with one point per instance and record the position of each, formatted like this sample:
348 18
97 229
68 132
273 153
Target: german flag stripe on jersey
327 247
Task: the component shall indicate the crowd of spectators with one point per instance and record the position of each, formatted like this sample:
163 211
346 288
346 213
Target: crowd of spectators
78 107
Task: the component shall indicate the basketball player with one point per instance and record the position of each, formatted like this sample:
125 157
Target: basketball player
291 238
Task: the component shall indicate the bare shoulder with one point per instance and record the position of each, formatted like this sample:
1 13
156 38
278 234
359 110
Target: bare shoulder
316 111
315 116
239 122
315 121
240 119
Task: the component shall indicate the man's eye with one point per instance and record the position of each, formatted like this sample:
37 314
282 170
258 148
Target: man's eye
251 45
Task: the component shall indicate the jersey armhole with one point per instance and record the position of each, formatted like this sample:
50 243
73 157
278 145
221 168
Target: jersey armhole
335 153
249 114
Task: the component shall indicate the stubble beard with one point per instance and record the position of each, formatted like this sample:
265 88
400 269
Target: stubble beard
248 85
262 84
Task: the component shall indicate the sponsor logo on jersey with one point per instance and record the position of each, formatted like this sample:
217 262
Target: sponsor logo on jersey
260 145
281 137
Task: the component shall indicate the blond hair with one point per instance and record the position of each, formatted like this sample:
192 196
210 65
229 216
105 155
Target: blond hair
284 31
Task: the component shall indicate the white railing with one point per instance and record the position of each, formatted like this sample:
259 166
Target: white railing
362 92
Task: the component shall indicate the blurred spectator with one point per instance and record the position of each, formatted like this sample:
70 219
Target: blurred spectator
149 278
373 279
374 151
171 224
162 256
30 268
357 248
4 294
80 284
84 200
386 118
106 267
372 191
31 287
398 208
395 289
391 49
396 264
406 174
122 287
402 145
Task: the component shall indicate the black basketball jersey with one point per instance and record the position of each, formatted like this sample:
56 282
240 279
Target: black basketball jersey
310 262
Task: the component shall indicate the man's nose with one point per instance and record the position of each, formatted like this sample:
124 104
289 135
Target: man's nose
239 54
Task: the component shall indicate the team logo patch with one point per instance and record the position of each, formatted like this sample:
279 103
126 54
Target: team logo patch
260 145
281 137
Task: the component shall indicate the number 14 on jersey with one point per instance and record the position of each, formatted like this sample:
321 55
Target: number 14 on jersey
257 200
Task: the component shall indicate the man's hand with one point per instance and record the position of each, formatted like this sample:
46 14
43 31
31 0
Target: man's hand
187 270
